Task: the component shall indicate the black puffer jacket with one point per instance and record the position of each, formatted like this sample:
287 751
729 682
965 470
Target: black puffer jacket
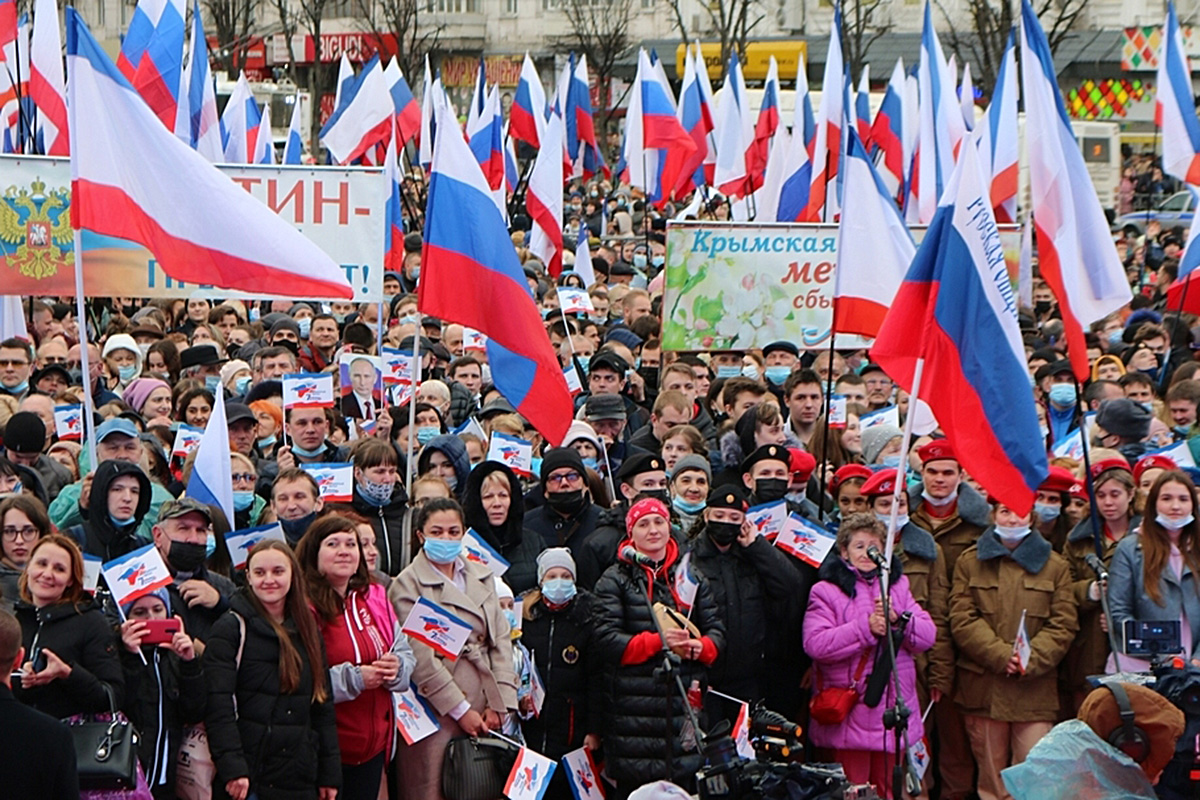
286 744
645 716
556 530
80 636
163 694
388 523
563 645
519 547
746 582
98 535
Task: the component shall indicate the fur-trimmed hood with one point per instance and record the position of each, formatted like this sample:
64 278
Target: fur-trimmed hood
971 505
845 577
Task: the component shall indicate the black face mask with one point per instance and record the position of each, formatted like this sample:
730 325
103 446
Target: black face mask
723 533
567 503
650 376
293 529
185 556
294 347
768 490
1041 307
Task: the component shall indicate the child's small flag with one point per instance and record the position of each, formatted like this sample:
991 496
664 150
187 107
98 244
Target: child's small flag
1021 644
334 480
808 542
530 776
414 718
187 439
837 411
741 732
241 542
476 548
513 452
582 775
308 390
136 574
918 759
68 422
573 300
436 627
686 584
768 518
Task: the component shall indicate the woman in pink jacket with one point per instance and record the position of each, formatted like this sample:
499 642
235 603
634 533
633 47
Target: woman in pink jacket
843 633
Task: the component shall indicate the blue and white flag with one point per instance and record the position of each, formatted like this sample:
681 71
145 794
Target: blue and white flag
476 548
242 542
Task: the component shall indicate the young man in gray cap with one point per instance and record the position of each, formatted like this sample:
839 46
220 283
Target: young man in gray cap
1123 425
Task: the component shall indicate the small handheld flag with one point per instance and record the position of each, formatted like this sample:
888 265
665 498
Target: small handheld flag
686 584
741 732
807 542
573 300
307 390
1021 645
414 718
768 518
435 627
187 439
476 549
136 574
92 566
511 451
242 542
68 422
530 776
335 480
582 775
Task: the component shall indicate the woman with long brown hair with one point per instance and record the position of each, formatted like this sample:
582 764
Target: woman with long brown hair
270 719
1155 575
368 655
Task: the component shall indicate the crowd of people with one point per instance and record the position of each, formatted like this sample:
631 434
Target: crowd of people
628 539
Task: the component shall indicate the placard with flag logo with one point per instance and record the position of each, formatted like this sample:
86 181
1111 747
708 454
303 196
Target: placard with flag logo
573 300
335 480
435 627
888 415
741 732
187 439
136 574
415 719
308 390
397 367
1021 644
241 542
808 542
68 422
530 776
768 518
582 775
511 451
837 411
474 340
574 384
476 548
685 584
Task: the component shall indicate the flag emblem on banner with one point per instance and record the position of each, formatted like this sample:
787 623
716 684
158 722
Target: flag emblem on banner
242 542
334 481
511 451
768 518
436 627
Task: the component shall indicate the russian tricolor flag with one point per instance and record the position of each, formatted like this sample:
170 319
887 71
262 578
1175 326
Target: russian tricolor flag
467 279
197 121
827 144
393 240
211 480
293 148
957 310
485 133
364 119
127 171
695 117
1076 256
765 127
527 116
157 77
1175 108
408 110
887 131
240 122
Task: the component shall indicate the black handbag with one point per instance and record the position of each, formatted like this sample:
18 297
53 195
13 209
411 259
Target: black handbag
106 748
476 769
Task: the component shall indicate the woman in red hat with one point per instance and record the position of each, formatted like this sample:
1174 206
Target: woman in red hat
846 488
1113 484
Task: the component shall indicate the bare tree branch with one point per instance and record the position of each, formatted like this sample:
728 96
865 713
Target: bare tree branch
232 21
730 22
599 31
864 22
416 34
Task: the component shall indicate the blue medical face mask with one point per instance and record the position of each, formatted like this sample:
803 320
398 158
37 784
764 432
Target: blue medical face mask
305 453
1117 337
212 383
639 260
305 326
242 500
777 374
750 371
242 385
511 616
22 386
658 261
684 507
1174 524
901 520
1063 394
427 433
120 523
558 591
583 368
591 463
728 372
442 551
891 462
267 441
128 372
1047 512
535 465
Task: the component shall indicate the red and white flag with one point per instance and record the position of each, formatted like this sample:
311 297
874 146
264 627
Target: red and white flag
47 86
529 777
544 197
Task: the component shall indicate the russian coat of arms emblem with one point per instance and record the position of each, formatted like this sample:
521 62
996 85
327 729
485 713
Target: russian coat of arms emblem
35 229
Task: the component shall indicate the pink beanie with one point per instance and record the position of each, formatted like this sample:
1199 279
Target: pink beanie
139 390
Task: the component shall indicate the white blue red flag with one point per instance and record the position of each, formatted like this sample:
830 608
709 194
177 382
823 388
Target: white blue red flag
957 310
583 263
527 117
197 121
685 583
47 87
474 340
941 128
467 279
241 542
1190 258
264 145
572 299
827 141
999 148
695 117
335 480
766 126
887 132
157 78
365 118
741 733
1076 255
415 718
656 145
511 451
293 148
435 627
398 374
68 422
393 218
768 519
875 248
136 574
211 480
240 122
476 549
308 390
530 776
187 439
408 110
582 775
126 175
1175 107
808 542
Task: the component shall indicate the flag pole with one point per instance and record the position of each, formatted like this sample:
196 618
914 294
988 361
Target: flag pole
415 373
1163 374
1097 529
89 426
905 443
828 407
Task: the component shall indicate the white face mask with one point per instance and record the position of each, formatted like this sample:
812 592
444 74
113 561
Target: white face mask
1174 524
1012 535
939 501
901 519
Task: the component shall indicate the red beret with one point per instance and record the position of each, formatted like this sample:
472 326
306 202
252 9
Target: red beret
937 450
1152 462
881 483
801 463
1078 489
1107 464
644 508
846 473
1060 479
